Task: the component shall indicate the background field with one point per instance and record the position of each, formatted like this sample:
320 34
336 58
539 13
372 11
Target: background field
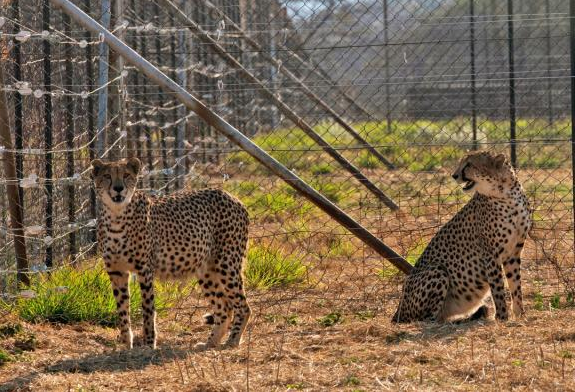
422 82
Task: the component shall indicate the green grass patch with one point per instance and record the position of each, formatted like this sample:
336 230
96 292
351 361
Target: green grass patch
331 319
72 294
5 357
321 168
267 268
367 160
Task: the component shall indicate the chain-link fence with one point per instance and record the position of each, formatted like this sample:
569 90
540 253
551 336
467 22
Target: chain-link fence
372 102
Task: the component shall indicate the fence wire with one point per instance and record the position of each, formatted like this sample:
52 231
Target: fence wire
421 83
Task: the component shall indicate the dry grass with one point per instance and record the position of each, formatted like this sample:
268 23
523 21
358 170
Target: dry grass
287 348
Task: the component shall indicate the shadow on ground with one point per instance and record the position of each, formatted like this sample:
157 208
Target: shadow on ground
118 361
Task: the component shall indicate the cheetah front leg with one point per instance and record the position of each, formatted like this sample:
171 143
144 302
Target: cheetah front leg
512 268
495 279
146 280
120 280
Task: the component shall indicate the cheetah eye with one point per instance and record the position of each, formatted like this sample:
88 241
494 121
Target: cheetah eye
126 176
107 177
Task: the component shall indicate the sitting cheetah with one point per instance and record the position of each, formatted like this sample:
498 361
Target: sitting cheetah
202 234
462 263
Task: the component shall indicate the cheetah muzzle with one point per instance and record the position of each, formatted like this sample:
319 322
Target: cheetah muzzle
200 234
466 259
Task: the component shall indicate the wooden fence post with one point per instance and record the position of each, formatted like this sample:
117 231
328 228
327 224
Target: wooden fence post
16 215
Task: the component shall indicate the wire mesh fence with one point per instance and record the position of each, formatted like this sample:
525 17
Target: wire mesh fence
372 102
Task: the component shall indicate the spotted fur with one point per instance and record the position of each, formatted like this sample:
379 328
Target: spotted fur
200 234
463 263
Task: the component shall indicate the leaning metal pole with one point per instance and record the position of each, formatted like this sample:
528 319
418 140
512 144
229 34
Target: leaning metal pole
306 90
282 106
234 135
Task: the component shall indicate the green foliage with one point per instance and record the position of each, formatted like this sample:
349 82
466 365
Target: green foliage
295 386
566 354
351 380
331 319
367 160
267 268
71 294
365 315
5 357
518 363
538 301
321 168
555 302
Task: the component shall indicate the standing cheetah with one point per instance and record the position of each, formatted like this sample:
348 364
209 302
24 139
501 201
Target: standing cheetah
202 234
462 263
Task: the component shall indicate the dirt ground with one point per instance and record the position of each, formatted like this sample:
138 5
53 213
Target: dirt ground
361 351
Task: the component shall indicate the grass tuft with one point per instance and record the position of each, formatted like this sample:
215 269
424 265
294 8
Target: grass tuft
331 319
72 294
267 268
5 357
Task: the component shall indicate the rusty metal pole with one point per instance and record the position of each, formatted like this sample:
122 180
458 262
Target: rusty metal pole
192 103
14 206
285 109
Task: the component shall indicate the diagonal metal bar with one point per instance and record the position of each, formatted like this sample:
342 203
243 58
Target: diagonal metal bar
234 135
285 109
310 94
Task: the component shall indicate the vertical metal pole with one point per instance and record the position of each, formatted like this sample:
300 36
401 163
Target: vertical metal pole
103 69
18 108
48 185
136 142
160 98
14 206
70 131
472 58
91 126
116 98
387 65
147 130
181 79
549 60
512 109
572 74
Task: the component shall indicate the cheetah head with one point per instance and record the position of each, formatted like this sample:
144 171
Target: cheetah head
485 173
115 182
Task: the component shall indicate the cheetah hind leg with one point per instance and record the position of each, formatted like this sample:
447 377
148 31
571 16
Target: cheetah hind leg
242 314
219 319
424 296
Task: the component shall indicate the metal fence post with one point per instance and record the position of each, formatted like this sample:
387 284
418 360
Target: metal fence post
48 145
18 109
572 74
472 58
103 68
512 109
70 132
91 126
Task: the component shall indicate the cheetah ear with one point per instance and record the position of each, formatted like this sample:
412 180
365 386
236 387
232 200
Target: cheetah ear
134 164
499 160
97 166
